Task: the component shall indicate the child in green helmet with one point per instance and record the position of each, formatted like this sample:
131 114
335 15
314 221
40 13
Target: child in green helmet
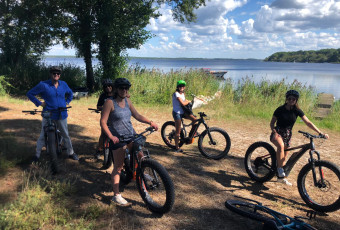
178 101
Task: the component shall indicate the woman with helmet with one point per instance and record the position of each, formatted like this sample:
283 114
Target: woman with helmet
282 122
116 123
178 101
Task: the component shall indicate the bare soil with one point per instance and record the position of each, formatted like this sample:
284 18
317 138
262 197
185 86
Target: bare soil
201 185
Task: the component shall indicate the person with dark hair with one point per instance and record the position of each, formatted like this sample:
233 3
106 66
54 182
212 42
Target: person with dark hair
178 101
282 124
116 123
107 92
56 94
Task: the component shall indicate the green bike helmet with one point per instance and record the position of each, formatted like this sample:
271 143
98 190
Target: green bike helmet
181 82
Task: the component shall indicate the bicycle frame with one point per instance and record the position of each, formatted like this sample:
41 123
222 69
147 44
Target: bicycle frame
193 131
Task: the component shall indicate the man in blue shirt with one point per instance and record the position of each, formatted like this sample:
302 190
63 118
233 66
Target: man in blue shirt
55 93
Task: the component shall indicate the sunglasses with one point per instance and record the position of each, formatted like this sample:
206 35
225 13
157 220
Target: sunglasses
291 98
107 86
181 86
124 88
55 73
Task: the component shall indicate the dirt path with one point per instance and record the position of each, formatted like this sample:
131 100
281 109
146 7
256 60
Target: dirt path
202 186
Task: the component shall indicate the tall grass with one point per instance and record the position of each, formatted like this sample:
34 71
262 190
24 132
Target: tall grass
155 87
244 99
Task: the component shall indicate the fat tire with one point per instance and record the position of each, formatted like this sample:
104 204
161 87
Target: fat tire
164 135
224 153
165 180
247 164
304 193
52 151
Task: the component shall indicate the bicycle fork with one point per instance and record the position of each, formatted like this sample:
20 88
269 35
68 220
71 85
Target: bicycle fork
320 183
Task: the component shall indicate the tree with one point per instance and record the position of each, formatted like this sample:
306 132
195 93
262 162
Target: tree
27 29
114 26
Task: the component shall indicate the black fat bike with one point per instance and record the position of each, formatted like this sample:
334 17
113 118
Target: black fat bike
272 220
53 138
318 181
213 143
153 182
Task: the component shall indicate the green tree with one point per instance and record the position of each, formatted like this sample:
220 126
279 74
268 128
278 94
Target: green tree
27 29
114 26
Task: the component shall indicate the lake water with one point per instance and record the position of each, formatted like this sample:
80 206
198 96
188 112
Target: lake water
324 77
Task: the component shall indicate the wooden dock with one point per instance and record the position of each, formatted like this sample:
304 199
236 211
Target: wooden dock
324 105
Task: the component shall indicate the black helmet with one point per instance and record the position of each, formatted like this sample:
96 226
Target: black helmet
122 82
106 82
54 69
293 93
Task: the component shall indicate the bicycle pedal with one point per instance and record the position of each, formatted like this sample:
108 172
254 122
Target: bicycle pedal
311 214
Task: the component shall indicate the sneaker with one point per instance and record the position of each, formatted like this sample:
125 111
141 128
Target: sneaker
179 151
35 159
284 181
118 199
280 173
74 157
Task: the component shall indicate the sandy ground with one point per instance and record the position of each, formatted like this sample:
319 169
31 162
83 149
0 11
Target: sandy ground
201 185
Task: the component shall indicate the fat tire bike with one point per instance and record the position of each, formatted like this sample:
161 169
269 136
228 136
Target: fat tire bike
318 181
213 143
272 220
53 138
153 182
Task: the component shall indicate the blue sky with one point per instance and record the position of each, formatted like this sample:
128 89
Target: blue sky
242 29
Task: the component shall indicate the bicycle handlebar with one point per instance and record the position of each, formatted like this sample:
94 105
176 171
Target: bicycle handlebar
35 111
308 135
126 139
95 110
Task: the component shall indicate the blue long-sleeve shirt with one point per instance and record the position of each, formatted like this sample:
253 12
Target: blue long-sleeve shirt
53 97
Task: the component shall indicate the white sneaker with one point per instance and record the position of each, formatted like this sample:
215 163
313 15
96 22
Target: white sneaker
284 181
280 173
118 199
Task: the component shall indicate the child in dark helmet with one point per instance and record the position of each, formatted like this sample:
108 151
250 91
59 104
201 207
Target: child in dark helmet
281 125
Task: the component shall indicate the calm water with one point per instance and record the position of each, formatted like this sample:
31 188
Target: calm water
323 77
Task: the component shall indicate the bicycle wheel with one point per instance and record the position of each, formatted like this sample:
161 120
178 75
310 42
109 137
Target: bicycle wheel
323 197
155 186
217 147
168 133
52 151
254 211
258 161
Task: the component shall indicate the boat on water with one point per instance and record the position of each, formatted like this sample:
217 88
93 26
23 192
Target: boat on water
217 74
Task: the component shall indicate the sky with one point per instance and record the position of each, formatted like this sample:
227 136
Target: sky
242 29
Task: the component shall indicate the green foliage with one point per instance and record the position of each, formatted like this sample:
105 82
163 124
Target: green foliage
29 74
155 87
319 56
4 86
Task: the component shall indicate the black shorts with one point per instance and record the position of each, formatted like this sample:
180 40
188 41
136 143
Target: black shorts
285 134
118 145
